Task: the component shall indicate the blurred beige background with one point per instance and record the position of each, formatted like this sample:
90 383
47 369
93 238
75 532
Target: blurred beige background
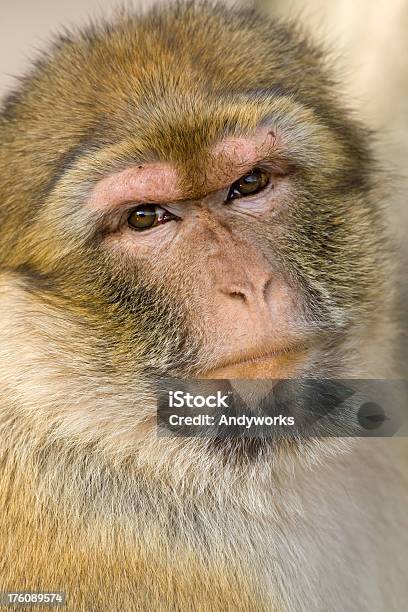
370 37
25 25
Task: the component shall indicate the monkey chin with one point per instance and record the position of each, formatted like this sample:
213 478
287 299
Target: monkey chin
283 364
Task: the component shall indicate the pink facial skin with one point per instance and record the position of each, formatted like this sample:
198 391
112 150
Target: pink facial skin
160 183
246 312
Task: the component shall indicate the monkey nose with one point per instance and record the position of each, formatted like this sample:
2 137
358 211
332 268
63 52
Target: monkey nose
251 292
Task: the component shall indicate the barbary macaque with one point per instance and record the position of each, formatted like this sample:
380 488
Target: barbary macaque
184 195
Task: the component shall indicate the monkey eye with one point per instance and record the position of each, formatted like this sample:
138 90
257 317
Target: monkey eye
249 184
146 216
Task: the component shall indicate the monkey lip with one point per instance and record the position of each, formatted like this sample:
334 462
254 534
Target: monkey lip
277 364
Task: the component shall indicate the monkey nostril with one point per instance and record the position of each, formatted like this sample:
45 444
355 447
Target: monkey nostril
235 293
238 295
267 288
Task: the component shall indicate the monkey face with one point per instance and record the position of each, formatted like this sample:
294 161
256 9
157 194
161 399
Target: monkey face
230 257
208 247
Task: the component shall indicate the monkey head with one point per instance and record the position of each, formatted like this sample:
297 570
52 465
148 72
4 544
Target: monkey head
183 194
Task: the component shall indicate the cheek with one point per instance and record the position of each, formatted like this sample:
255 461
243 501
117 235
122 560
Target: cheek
150 250
283 302
153 260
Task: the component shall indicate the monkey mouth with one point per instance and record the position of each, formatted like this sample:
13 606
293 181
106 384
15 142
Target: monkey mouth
282 363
